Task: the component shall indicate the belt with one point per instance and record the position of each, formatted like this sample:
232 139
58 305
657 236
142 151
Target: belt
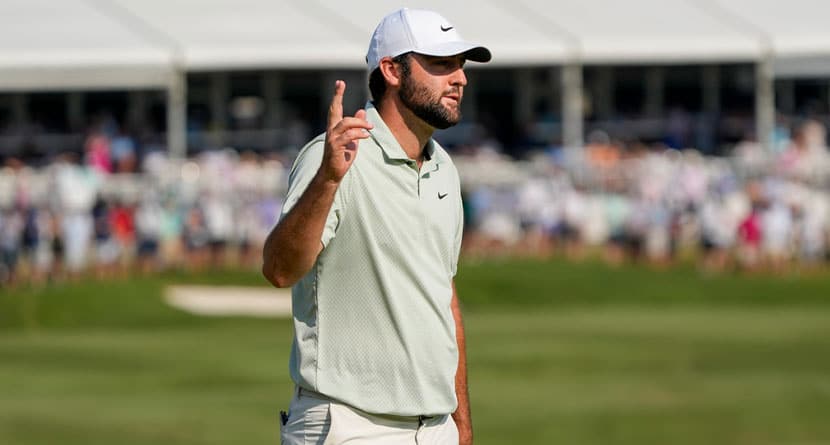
305 392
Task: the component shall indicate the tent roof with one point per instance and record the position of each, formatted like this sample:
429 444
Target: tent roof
66 44
795 33
138 43
491 23
223 34
791 28
645 31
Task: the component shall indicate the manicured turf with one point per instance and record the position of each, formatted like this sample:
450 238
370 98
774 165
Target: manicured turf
559 353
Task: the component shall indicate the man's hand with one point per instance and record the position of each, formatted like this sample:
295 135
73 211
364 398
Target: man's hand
342 136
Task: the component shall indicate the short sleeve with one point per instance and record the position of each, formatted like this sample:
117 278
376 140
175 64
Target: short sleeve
302 172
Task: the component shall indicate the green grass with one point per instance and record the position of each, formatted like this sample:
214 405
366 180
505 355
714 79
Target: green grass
536 283
558 353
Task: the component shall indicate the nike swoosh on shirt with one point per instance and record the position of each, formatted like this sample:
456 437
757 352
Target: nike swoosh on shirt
446 29
440 196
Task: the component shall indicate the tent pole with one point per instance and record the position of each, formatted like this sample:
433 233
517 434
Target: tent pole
177 114
765 101
572 104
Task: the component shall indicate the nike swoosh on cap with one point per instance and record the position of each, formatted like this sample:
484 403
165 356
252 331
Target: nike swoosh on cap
446 29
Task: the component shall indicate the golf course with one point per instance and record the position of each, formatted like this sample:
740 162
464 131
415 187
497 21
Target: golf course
558 352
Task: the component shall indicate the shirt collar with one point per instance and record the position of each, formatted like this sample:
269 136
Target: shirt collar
387 142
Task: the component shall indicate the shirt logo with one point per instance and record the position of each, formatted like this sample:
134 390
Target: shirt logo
446 29
440 196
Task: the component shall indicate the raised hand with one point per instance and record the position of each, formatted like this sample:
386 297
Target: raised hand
342 137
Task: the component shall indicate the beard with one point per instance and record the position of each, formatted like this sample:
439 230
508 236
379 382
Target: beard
428 108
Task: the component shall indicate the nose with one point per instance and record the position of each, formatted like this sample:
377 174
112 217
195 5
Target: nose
459 78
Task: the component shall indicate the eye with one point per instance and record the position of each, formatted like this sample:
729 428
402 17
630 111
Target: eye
449 64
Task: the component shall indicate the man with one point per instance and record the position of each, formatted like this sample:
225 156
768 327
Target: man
369 239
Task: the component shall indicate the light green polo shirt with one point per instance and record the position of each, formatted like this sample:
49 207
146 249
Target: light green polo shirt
373 326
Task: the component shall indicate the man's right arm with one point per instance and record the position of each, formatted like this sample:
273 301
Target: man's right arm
293 245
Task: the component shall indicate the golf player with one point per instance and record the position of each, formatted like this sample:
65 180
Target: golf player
369 238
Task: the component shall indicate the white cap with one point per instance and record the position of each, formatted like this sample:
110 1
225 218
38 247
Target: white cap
423 32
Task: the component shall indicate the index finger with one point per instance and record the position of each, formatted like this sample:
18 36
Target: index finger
336 107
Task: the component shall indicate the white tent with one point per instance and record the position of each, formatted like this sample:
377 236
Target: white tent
48 45
137 43
220 35
495 23
643 31
793 33
94 44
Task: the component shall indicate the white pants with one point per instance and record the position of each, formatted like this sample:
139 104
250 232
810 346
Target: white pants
316 420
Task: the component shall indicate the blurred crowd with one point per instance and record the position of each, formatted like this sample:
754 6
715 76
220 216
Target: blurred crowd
110 212
71 217
754 210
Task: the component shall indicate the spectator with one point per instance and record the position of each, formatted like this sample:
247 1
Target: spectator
122 221
76 188
123 152
148 218
106 247
11 228
97 148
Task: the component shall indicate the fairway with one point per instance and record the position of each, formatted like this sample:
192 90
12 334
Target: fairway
117 366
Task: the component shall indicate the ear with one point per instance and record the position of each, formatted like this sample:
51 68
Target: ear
390 72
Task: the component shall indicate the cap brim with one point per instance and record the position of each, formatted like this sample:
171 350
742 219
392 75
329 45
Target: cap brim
471 51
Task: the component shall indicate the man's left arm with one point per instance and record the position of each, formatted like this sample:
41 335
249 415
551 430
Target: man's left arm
462 417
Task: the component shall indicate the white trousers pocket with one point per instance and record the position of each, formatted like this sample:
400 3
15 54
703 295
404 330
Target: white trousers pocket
308 422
